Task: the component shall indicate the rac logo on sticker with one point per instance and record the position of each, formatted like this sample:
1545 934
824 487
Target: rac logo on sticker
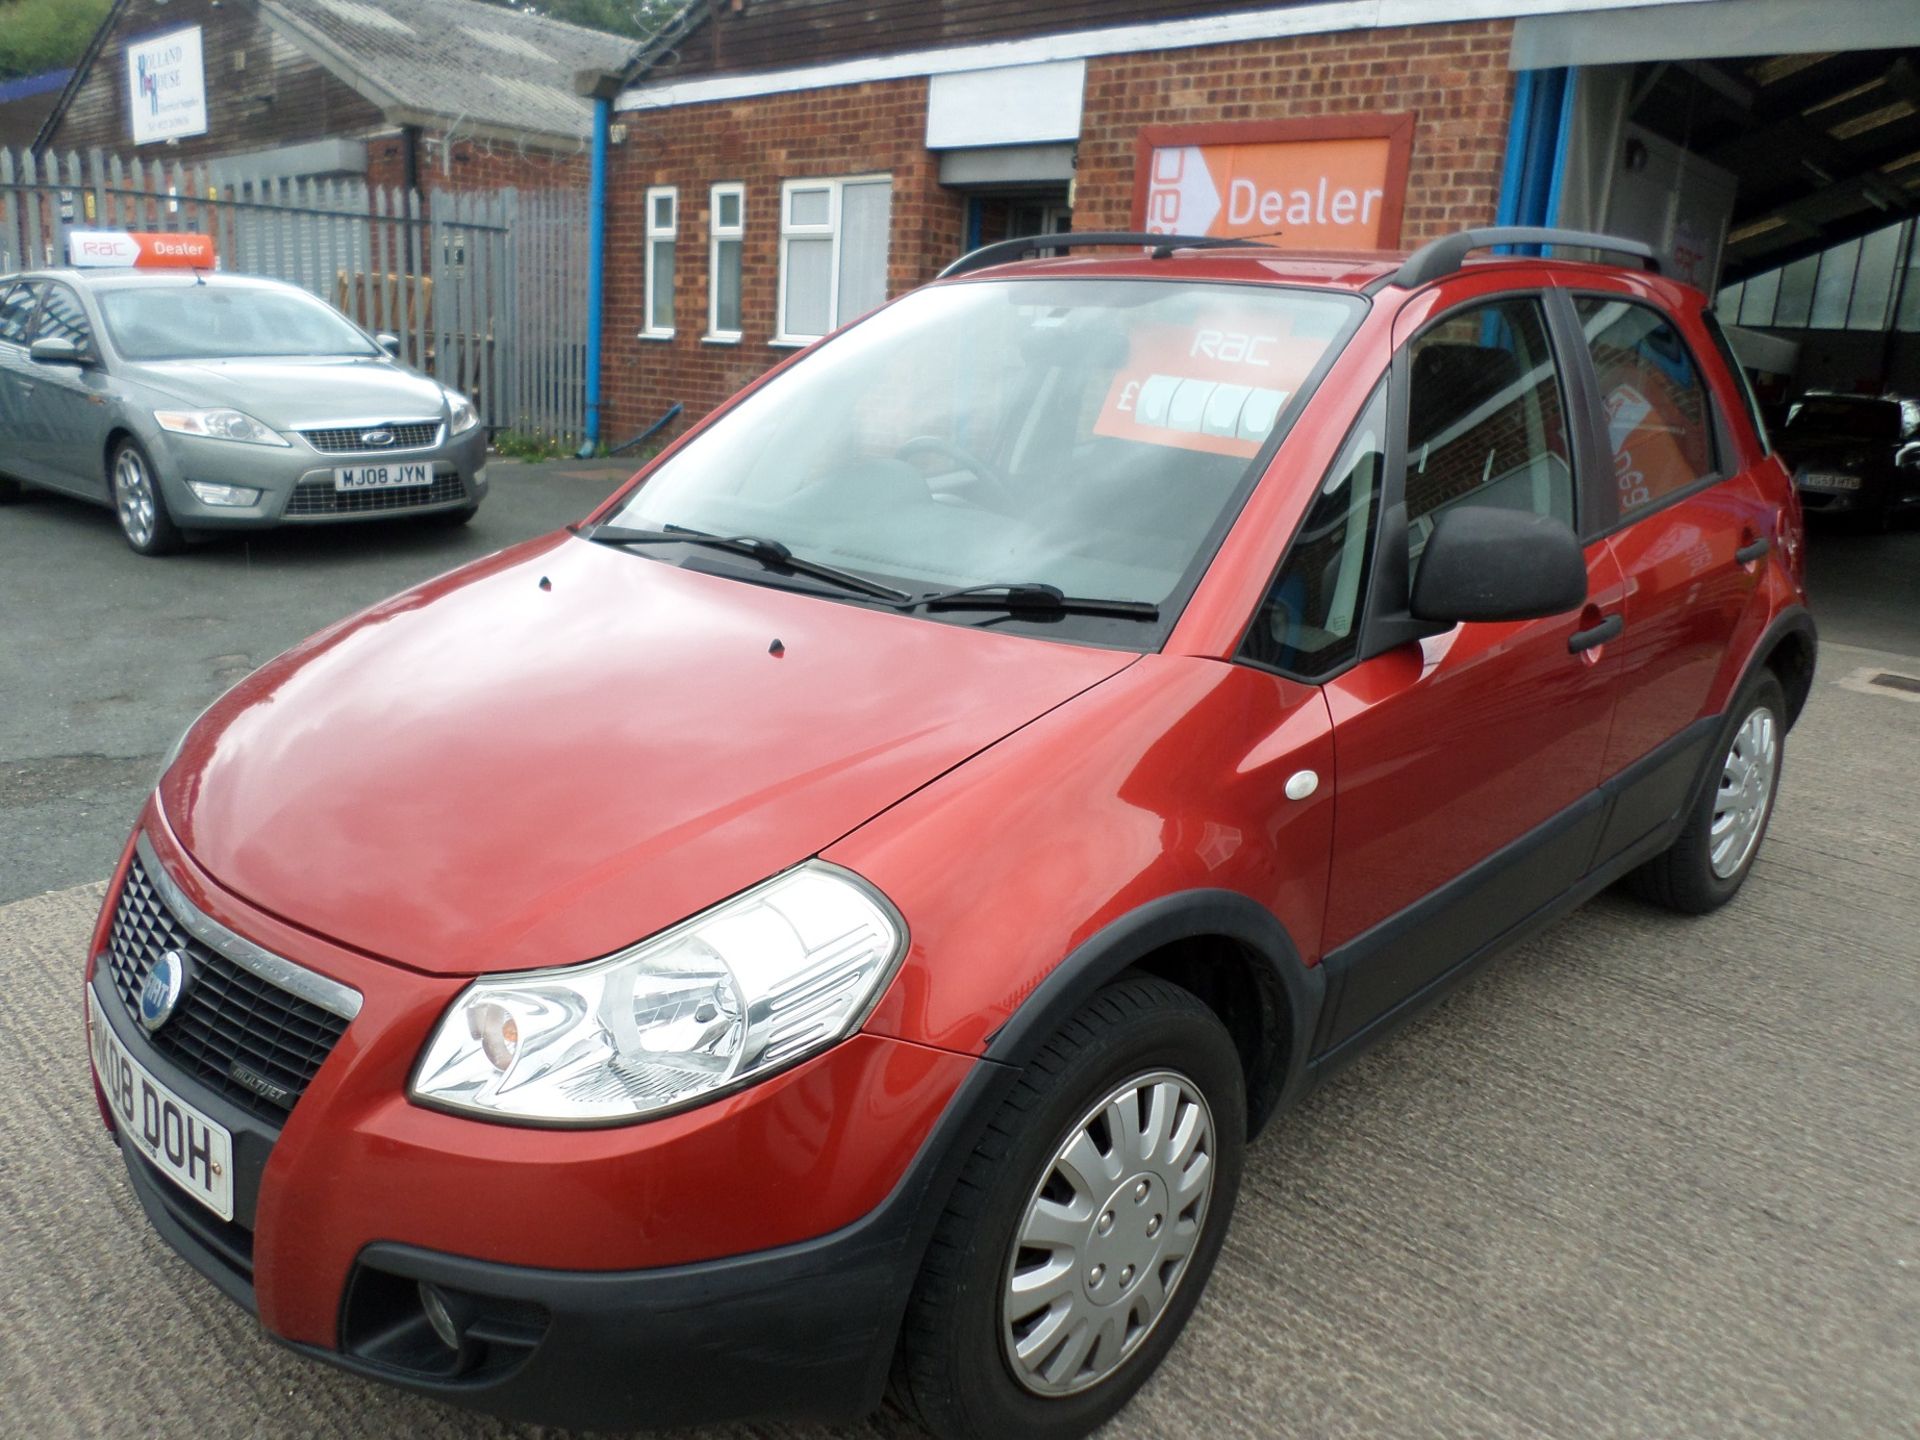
1232 347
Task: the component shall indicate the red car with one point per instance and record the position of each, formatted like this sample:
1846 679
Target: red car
837 915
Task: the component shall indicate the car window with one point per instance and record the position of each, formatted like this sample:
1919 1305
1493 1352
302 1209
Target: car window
224 322
1486 418
1090 434
16 309
1659 425
1845 416
1740 377
1309 624
62 318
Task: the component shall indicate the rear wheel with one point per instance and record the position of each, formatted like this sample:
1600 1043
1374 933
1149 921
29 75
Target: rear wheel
1083 1227
1709 862
138 503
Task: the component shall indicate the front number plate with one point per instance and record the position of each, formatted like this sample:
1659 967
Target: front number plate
1826 480
184 1145
382 477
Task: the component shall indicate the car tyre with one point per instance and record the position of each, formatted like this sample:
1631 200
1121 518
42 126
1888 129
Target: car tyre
10 490
138 504
1707 864
1163 1188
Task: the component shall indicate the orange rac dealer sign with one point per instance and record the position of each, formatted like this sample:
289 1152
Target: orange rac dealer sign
138 249
1326 183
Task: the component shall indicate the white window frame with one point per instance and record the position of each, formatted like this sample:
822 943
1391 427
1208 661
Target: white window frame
655 233
716 232
829 231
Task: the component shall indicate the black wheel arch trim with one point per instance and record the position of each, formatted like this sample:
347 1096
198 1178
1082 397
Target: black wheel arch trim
1795 621
1292 992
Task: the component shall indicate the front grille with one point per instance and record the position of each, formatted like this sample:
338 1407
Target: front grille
228 1017
349 439
318 497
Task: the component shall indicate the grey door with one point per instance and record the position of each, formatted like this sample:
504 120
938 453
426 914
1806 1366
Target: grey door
70 401
17 416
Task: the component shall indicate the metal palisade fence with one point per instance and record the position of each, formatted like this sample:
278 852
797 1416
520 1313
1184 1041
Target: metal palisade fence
486 291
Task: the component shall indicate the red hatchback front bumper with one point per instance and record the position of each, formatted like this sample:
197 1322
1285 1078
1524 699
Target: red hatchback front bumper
748 1255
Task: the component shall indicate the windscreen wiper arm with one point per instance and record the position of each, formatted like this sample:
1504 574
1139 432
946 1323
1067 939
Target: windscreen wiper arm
1032 596
770 553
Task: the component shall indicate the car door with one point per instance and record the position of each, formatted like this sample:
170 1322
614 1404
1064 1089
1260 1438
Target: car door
1468 762
1689 530
17 419
69 401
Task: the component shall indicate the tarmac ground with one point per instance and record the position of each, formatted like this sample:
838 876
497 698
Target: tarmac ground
1644 1176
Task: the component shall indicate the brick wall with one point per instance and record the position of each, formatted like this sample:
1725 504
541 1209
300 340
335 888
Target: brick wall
1454 77
851 130
477 165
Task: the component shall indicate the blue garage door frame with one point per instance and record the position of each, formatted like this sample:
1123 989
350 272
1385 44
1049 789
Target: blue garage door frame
1536 148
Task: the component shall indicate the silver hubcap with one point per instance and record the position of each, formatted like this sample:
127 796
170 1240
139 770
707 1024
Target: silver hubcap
133 496
1107 1235
1746 792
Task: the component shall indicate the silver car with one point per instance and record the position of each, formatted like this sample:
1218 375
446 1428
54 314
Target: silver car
194 402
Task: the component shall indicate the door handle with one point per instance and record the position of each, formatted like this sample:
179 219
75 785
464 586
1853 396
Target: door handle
1595 635
1753 550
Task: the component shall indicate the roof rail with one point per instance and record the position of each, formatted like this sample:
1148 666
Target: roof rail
1002 251
1445 255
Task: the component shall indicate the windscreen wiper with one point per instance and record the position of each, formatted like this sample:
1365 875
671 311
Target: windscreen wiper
1034 597
770 553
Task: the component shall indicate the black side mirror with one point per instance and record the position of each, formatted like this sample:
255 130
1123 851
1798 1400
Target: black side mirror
388 342
56 350
1483 563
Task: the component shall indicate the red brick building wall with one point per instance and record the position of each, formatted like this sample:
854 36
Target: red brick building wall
1454 77
478 165
818 134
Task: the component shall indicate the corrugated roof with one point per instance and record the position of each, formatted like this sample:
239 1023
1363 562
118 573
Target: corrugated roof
459 60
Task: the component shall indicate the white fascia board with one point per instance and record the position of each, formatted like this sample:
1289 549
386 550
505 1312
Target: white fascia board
1330 16
1014 105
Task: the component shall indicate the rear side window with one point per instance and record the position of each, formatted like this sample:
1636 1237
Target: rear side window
1309 624
1486 418
1659 425
1740 378
16 309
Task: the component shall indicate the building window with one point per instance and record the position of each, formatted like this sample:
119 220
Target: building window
663 223
833 253
727 226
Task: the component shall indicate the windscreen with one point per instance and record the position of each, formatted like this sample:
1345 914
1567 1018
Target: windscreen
1838 415
1092 435
224 322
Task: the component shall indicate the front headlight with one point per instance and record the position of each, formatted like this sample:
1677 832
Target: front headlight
760 981
219 425
464 417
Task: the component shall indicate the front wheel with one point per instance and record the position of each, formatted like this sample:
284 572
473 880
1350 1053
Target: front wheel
138 503
1709 862
1083 1227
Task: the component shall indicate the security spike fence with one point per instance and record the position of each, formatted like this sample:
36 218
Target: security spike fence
486 292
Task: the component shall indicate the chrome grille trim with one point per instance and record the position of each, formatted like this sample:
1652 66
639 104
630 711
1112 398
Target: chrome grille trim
408 435
329 995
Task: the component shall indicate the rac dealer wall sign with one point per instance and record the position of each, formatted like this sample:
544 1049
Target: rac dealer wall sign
1334 182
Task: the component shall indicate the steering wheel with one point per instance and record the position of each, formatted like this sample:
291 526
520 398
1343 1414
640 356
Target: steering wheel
1001 487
